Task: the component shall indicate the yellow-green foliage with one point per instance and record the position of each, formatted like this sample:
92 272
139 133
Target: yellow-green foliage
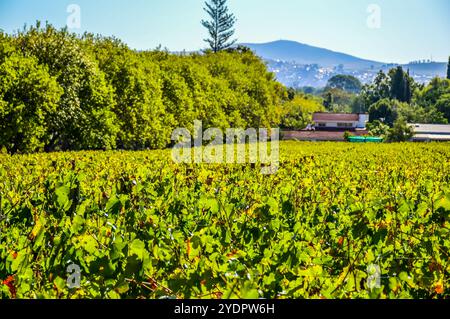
298 112
139 225
99 94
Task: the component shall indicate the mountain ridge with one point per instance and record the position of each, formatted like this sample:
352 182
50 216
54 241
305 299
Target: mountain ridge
297 64
301 53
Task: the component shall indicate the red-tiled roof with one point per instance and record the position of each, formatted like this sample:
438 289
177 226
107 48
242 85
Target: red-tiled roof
338 117
319 135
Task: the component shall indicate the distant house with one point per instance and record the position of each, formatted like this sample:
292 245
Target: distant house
430 132
344 121
331 127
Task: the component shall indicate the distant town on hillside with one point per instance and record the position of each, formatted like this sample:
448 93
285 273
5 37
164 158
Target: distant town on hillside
299 65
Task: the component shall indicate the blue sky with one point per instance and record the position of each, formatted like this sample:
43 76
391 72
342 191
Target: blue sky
409 29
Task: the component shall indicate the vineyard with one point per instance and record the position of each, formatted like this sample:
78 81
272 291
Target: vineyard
335 221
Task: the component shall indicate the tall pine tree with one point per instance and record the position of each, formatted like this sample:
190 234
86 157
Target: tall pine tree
408 88
401 84
221 25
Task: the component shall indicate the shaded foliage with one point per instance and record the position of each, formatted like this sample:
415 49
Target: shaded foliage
298 112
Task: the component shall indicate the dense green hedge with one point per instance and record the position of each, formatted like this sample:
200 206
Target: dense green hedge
60 91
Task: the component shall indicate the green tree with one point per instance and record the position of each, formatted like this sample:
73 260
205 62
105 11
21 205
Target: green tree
443 106
138 100
346 83
328 100
378 128
253 96
357 104
377 90
221 25
291 93
414 113
436 95
400 85
29 96
400 132
384 110
112 96
298 112
84 117
396 85
338 100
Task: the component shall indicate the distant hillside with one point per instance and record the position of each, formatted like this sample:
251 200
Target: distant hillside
429 68
298 65
299 53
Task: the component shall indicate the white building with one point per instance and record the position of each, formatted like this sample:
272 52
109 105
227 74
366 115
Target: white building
430 132
340 120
